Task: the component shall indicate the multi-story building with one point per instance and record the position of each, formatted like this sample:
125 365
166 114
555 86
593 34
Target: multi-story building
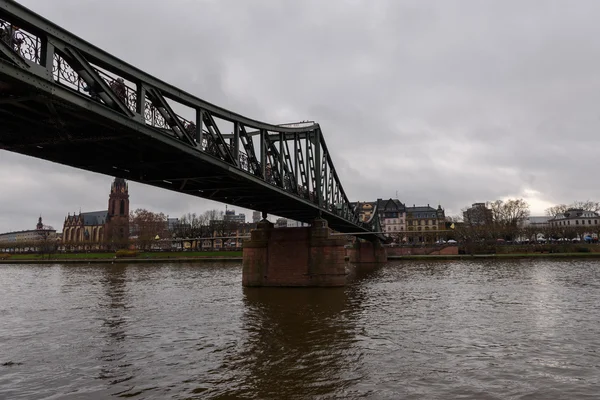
478 214
288 223
295 224
230 216
173 224
256 217
392 216
397 220
425 223
281 223
575 218
536 222
41 232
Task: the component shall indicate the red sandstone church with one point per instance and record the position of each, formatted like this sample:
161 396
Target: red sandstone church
101 226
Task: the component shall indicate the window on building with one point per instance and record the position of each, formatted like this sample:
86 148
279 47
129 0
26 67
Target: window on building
576 222
589 221
595 222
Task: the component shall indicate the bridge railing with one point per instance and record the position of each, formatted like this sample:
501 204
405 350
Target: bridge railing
294 158
28 45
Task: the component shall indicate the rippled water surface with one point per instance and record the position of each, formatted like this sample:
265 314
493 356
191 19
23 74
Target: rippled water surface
442 330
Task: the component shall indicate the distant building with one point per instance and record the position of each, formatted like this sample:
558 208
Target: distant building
41 232
425 222
397 220
288 223
256 216
392 216
537 222
295 224
478 214
172 224
575 218
100 226
233 239
230 216
281 223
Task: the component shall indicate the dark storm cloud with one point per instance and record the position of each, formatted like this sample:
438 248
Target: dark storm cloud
451 102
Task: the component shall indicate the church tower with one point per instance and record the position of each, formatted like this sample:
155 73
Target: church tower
118 209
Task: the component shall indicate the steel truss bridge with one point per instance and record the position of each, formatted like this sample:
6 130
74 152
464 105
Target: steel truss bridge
67 101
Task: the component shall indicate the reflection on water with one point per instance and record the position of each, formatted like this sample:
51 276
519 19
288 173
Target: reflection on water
111 309
297 337
524 329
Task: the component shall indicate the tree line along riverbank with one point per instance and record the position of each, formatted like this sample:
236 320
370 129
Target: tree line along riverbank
148 257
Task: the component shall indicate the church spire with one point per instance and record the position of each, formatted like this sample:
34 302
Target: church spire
118 201
119 186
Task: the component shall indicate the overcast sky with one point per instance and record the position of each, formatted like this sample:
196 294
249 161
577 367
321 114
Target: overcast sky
449 102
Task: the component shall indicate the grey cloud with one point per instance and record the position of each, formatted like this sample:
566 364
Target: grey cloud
451 102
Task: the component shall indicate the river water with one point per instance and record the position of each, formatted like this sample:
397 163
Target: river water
412 330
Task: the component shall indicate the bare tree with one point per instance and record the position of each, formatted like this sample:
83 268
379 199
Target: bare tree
579 205
47 240
586 205
193 226
147 226
511 212
213 215
508 216
117 234
557 209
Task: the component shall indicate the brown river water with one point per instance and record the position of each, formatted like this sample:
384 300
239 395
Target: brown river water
406 330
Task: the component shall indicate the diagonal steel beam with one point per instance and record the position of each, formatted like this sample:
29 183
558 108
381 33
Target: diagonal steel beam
169 115
273 160
77 61
289 168
249 148
218 140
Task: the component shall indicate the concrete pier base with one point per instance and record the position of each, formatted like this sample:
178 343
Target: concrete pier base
367 252
293 257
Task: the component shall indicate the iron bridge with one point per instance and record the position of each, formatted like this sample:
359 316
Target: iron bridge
67 101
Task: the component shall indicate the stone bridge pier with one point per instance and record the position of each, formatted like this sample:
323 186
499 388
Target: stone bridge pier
301 257
367 252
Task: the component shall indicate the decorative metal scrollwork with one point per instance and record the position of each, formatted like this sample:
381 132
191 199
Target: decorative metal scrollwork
65 75
26 44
